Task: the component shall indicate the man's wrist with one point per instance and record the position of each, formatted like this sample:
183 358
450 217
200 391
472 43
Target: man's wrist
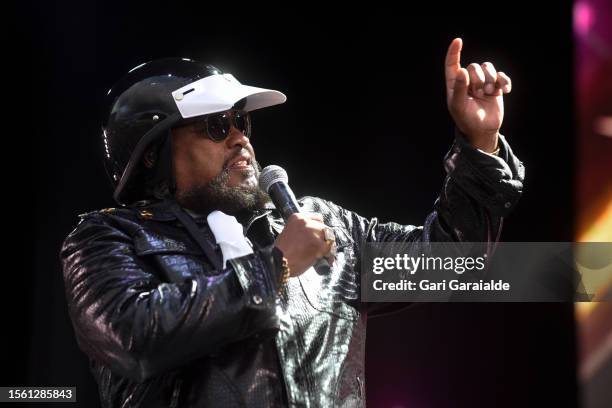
488 143
488 148
496 151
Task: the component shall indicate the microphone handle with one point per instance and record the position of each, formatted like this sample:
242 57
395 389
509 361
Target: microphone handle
284 199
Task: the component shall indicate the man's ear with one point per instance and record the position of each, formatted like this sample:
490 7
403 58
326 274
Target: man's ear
150 157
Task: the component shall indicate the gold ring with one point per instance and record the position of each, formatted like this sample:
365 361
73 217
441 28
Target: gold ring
329 234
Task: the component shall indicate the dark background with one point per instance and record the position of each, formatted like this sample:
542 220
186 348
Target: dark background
365 125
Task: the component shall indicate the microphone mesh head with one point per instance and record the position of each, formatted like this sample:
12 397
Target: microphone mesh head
270 175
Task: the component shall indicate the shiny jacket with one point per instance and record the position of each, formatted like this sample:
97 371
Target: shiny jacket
164 325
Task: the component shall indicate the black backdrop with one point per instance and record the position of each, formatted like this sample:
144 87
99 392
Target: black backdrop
365 125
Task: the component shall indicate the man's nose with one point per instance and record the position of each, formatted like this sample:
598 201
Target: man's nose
236 138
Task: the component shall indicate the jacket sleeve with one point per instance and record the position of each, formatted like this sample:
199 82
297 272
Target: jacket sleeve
479 190
128 319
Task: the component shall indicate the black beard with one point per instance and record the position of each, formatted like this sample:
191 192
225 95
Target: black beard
217 195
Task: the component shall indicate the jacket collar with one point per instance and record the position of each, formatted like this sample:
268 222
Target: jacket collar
160 211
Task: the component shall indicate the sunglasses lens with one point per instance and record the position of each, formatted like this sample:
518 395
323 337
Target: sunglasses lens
218 126
242 121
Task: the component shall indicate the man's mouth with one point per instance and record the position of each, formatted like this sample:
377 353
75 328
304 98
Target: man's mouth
240 162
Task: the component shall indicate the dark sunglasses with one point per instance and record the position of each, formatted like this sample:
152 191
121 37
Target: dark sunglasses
217 126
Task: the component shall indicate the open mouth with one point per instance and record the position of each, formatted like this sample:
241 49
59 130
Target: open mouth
242 162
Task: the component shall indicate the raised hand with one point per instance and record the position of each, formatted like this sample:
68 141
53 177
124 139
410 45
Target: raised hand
475 98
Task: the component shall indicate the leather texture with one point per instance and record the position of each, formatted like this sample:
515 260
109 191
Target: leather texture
163 327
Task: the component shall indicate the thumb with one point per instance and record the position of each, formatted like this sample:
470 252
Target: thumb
459 89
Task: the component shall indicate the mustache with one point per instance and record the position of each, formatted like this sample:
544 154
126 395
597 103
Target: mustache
239 151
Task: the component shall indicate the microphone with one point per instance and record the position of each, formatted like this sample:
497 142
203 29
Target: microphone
275 181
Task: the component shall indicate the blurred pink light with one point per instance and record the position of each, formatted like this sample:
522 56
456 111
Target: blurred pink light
583 18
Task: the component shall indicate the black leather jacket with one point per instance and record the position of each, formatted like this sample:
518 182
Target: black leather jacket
165 326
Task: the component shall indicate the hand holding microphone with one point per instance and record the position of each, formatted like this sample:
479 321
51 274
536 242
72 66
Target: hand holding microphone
305 240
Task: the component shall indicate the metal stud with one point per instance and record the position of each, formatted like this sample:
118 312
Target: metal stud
145 214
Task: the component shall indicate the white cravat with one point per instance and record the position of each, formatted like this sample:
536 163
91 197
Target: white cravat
229 235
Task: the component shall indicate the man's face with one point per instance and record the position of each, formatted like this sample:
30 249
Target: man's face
215 175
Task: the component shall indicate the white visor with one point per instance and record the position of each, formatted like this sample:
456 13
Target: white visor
218 93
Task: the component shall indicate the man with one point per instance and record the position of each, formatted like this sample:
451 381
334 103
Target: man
197 293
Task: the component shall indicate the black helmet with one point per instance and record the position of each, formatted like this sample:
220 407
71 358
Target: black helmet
154 97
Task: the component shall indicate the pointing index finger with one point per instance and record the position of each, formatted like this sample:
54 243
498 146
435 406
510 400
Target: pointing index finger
453 56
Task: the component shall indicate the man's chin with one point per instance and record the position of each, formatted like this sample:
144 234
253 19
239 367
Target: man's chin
225 196
242 178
